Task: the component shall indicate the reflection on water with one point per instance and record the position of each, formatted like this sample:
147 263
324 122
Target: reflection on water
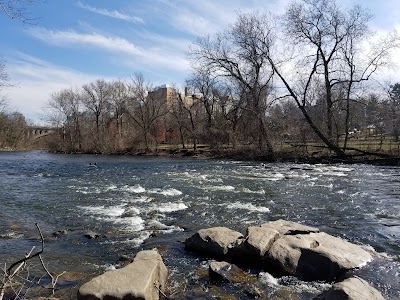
134 203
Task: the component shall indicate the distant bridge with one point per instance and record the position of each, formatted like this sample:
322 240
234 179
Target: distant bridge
36 132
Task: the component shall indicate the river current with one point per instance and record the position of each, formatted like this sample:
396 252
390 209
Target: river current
139 202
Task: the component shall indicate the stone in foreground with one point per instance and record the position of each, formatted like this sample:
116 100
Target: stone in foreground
141 280
353 288
316 256
216 241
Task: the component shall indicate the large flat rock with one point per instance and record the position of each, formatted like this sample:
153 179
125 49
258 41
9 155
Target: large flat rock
353 288
259 239
316 256
142 279
217 241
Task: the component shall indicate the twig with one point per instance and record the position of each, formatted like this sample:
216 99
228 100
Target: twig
2 288
22 263
30 256
156 286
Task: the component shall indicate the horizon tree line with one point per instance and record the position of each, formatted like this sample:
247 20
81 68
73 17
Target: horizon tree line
260 82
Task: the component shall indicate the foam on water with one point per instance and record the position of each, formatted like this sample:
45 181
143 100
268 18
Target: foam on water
130 211
275 177
334 173
248 191
136 189
157 225
142 199
127 217
139 239
224 188
111 211
268 279
166 192
170 207
111 188
135 223
247 206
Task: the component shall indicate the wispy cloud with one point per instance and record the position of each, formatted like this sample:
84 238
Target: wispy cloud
111 13
99 41
36 79
156 55
204 17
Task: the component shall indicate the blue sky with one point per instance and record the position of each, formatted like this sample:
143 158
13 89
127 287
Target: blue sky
76 42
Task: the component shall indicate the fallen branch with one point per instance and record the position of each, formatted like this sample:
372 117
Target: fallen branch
20 285
30 256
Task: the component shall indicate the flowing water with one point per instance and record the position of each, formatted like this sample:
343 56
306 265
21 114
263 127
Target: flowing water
139 202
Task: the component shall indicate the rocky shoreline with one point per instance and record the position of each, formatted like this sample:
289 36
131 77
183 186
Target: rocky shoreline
278 248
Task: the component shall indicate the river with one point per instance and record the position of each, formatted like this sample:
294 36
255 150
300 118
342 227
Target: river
140 202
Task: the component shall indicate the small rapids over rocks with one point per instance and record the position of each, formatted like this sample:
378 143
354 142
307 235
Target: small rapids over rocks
136 203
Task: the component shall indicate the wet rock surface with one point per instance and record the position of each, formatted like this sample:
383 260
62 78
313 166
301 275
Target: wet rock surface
353 288
218 241
283 248
143 279
316 256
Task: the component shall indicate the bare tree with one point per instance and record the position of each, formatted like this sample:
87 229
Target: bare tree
118 99
65 112
95 98
180 117
393 106
4 78
327 43
239 53
145 107
220 109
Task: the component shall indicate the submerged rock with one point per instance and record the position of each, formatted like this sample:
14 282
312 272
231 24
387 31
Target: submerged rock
91 235
143 279
316 256
217 241
222 270
59 233
353 288
233 274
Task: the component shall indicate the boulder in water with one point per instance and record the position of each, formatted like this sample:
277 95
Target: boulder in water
353 288
218 241
316 256
91 235
143 279
259 239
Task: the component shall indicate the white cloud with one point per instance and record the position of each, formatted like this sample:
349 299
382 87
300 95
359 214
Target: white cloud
155 56
111 13
205 17
70 38
35 80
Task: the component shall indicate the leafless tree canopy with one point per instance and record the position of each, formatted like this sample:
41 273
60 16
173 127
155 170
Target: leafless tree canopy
262 83
18 9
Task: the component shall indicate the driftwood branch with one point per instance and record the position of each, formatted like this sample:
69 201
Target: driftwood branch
20 285
30 256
